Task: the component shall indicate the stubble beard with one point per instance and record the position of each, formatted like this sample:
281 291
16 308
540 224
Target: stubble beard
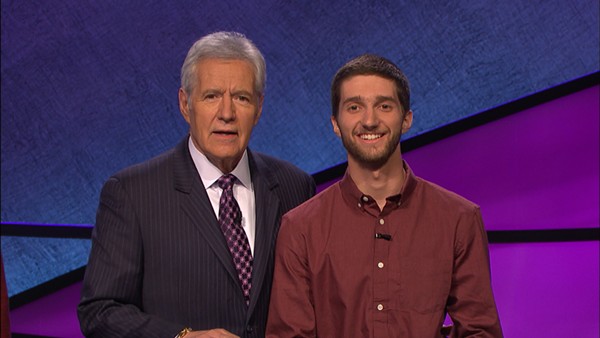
371 157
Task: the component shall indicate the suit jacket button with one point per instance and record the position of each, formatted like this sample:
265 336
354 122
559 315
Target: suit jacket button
249 329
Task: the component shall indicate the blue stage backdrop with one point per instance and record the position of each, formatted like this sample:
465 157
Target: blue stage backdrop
89 87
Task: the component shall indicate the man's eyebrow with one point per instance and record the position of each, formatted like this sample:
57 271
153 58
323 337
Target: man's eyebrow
211 91
242 92
357 98
382 98
378 99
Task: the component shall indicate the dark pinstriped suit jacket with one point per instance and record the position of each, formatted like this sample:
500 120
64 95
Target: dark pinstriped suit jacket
159 261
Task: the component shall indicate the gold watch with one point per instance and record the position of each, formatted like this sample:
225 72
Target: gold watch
183 332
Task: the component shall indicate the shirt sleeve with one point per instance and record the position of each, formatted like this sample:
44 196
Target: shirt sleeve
291 311
471 303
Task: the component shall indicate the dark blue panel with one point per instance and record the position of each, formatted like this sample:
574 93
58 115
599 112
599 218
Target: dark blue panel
29 261
89 87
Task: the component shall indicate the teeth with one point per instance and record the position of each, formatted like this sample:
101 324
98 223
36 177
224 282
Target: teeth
370 136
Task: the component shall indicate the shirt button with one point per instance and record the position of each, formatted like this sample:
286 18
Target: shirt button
380 265
365 199
359 205
379 307
381 221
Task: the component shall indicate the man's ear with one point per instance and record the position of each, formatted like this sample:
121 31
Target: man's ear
336 128
407 121
183 105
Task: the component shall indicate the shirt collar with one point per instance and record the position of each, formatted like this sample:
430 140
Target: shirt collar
353 196
209 173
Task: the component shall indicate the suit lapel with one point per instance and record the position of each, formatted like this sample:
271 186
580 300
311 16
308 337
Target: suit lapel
196 205
267 211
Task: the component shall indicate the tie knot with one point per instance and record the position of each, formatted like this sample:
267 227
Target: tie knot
226 181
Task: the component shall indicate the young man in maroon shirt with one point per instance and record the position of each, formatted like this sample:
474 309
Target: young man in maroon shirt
381 253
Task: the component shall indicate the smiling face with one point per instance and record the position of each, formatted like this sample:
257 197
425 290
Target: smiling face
222 110
370 119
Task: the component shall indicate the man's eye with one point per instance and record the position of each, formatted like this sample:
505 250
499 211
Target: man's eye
353 107
211 96
386 107
243 98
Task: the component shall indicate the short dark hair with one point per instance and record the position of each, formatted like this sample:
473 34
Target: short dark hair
370 64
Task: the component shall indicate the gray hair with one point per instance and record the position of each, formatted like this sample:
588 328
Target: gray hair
224 45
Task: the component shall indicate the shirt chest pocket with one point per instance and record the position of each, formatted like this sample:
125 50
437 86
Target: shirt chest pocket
421 284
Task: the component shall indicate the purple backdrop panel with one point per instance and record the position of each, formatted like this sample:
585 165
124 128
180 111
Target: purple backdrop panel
541 289
547 289
537 169
54 315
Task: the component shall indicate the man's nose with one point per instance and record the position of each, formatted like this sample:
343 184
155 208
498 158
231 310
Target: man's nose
369 118
227 109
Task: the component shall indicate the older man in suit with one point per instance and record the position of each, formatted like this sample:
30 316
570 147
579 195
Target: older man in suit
183 243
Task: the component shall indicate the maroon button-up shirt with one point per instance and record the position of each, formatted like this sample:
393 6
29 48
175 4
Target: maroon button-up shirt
345 268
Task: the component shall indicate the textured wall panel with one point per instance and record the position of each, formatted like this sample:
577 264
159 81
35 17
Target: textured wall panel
89 87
